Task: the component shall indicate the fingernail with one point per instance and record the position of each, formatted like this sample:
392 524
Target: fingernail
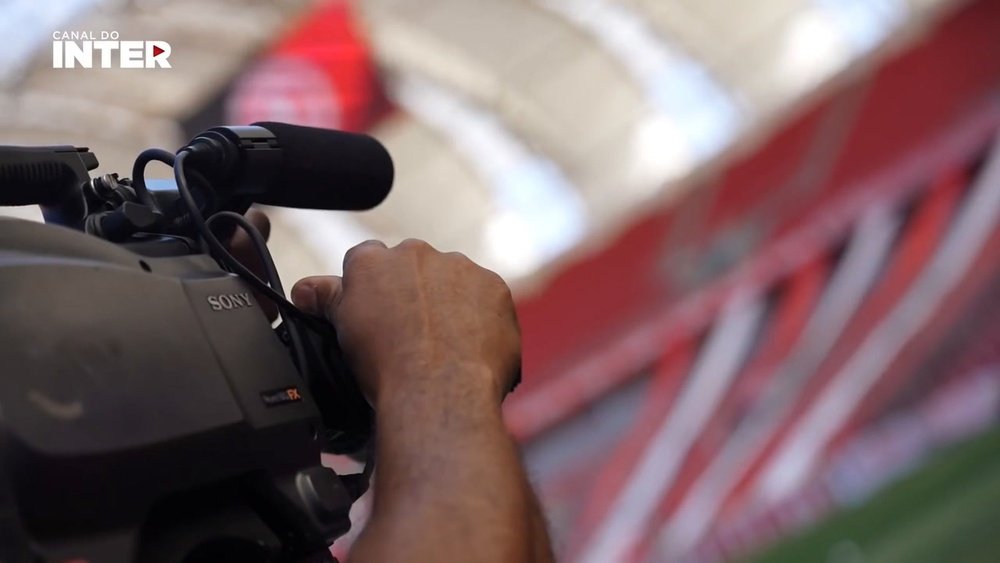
305 299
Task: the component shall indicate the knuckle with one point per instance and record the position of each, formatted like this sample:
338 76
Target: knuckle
494 278
415 245
497 284
460 261
364 251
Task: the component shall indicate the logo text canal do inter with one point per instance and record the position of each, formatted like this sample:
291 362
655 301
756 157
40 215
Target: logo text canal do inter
103 49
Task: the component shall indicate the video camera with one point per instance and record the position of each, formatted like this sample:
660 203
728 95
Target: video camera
149 411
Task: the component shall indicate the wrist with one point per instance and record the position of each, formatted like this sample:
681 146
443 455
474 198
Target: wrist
471 383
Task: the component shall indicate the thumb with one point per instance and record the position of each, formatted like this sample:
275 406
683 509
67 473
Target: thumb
317 295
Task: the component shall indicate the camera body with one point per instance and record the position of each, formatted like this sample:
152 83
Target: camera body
149 411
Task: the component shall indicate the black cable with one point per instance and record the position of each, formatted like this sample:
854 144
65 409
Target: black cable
273 279
257 239
139 173
218 250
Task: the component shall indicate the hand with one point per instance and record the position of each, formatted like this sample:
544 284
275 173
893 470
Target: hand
412 319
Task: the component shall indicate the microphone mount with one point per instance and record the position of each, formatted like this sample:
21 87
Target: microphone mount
239 161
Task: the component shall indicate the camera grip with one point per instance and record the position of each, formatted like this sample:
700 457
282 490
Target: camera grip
347 416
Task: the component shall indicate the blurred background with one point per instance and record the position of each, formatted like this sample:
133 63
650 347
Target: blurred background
755 245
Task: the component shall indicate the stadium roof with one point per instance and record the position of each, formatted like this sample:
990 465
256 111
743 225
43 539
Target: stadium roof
525 128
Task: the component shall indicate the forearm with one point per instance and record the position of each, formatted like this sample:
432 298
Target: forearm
449 484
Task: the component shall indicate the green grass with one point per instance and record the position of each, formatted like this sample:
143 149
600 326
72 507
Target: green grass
947 511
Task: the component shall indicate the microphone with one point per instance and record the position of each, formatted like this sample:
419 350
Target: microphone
295 166
327 169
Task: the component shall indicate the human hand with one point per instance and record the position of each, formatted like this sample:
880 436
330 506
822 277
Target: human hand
412 319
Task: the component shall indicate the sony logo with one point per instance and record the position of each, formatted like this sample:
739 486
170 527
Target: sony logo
229 301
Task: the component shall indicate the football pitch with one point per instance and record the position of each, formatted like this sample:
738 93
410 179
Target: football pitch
946 511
